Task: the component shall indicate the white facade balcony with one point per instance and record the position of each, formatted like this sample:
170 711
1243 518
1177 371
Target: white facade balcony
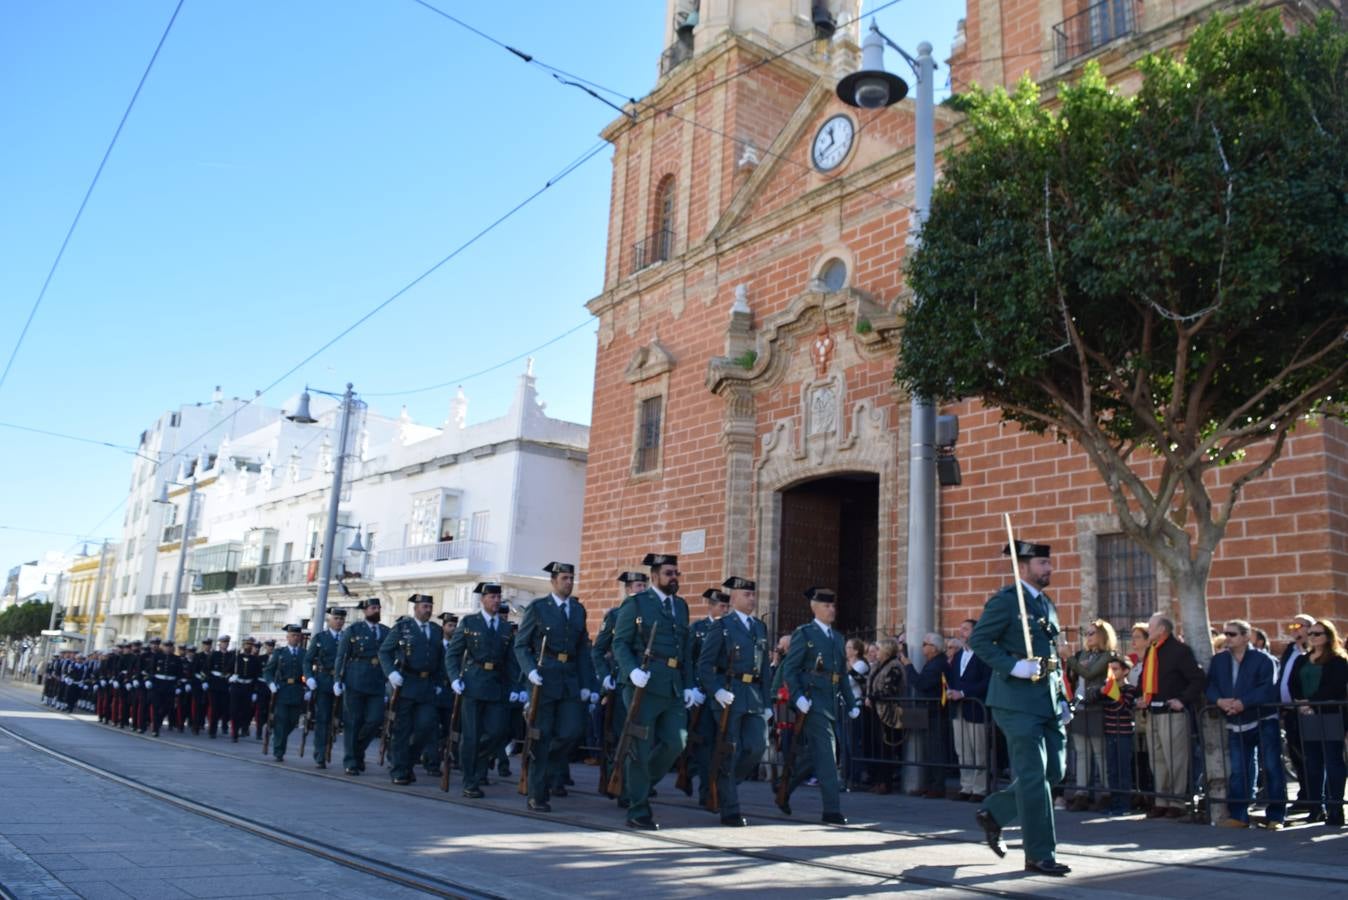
437 560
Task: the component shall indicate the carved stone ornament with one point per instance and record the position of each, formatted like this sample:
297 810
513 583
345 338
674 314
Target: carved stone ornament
648 362
821 350
823 410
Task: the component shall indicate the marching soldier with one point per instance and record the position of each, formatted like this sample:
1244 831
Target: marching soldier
360 680
718 604
142 694
164 672
444 705
284 675
261 700
220 672
243 688
1029 706
815 674
564 674
668 683
413 661
606 667
201 681
479 666
731 666
320 667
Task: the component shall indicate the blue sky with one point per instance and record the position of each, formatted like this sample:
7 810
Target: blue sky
286 168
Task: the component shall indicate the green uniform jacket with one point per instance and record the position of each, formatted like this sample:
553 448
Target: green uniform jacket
827 689
670 660
321 659
567 636
420 661
749 646
357 664
483 658
286 670
999 640
605 664
700 629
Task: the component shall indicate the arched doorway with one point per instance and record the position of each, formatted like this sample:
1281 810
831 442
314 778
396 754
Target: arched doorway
830 531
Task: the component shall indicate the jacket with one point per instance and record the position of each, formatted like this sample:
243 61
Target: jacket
827 688
727 638
1255 684
670 653
999 640
567 666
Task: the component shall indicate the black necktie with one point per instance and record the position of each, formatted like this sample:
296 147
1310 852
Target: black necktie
491 623
669 610
426 630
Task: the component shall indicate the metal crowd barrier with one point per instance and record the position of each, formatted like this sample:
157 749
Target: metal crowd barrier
922 743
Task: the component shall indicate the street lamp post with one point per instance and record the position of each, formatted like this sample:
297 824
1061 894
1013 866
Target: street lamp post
182 559
98 593
874 88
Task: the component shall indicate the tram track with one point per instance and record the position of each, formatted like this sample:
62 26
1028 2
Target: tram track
506 808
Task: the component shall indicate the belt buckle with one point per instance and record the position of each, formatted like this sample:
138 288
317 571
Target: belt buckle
423 674
747 678
672 662
374 660
563 657
834 678
290 681
489 666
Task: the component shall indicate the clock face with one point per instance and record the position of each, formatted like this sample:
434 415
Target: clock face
832 143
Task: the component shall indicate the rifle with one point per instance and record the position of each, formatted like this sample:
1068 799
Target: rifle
271 721
797 735
390 715
631 730
684 781
450 740
308 724
606 750
722 747
332 729
530 731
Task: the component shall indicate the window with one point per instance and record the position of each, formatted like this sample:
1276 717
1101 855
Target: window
648 434
477 531
834 275
427 518
200 629
1125 577
664 218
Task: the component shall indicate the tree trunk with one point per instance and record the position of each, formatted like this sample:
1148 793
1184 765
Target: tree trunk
1191 588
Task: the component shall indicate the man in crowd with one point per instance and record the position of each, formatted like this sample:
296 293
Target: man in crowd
359 680
220 672
1171 685
702 724
606 670
284 673
413 660
1296 646
320 668
1243 683
480 667
968 679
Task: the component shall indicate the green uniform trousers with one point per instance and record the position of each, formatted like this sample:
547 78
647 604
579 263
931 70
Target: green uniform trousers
666 724
323 701
819 758
560 724
483 726
747 733
700 758
286 718
1038 751
413 730
362 719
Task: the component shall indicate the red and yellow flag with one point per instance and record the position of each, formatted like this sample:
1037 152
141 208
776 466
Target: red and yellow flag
1151 676
943 690
1111 690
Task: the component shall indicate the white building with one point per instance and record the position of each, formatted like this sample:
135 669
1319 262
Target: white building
438 509
34 581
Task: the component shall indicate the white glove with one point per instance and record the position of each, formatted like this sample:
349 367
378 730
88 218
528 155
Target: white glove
233 679
699 698
514 697
609 683
639 677
1064 712
457 685
860 667
177 692
439 690
117 684
767 714
535 679
102 683
252 698
854 712
724 697
395 679
803 704
308 695
313 685
274 687
337 689
1025 668
689 701
585 695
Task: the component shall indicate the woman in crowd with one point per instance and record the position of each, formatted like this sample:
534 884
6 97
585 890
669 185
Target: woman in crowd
857 669
1088 669
1320 677
884 686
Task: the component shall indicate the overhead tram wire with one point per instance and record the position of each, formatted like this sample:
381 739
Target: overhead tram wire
46 283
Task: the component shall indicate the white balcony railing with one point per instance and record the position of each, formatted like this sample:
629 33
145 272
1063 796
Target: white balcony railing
441 551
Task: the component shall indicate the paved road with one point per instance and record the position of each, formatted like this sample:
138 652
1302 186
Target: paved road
68 832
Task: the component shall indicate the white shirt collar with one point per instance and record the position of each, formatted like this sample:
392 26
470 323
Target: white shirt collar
744 620
827 629
556 599
659 593
1031 589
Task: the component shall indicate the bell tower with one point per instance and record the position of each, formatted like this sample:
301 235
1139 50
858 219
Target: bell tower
692 26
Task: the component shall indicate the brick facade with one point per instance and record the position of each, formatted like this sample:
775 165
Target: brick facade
725 332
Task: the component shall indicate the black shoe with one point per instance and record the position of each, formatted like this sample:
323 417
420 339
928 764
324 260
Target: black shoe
353 771
405 780
558 791
834 819
156 732
645 823
785 807
473 793
361 765
280 758
503 771
539 806
623 803
653 793
567 780
734 821
320 764
1047 867
992 832
236 738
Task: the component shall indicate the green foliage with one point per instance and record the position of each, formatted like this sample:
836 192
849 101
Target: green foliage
864 325
25 620
747 359
1168 269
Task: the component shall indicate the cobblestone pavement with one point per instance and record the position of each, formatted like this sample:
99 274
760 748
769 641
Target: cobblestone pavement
68 832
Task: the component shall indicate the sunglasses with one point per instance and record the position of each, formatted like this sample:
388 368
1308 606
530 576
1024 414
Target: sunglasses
1231 633
1316 633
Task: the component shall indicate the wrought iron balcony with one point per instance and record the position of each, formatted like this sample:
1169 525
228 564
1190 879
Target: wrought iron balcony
296 571
158 601
172 533
1094 27
651 250
440 551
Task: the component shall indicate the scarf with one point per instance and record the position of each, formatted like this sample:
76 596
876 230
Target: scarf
1151 678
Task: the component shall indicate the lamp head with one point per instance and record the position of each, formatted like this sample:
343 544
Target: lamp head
301 415
872 87
356 545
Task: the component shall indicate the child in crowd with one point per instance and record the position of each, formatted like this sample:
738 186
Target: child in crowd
1116 697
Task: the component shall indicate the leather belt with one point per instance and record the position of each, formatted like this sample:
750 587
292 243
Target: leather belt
749 677
835 677
672 662
560 657
217 673
165 677
486 666
290 681
322 670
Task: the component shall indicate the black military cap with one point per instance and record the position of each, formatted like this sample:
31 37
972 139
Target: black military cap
292 629
154 641
165 643
338 612
137 642
736 583
224 638
820 595
1026 550
716 596
206 642
250 640
629 577
487 587
448 617
654 560
421 598
559 568
368 602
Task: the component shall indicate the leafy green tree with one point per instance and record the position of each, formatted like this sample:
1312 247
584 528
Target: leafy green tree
25 620
1161 279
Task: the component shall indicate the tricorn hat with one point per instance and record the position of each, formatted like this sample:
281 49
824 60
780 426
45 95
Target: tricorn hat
487 587
448 617
820 595
629 577
368 602
715 596
337 611
1026 550
559 568
736 583
655 560
421 598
